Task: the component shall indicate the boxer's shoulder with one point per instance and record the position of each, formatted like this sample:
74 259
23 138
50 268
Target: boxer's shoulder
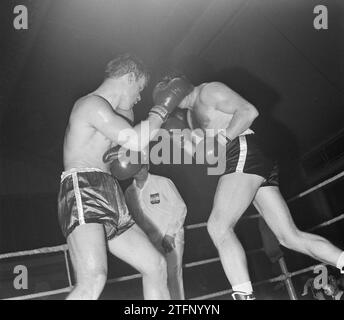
209 91
214 92
87 105
92 109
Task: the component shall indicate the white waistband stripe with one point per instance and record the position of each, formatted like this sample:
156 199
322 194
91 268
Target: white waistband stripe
78 198
242 155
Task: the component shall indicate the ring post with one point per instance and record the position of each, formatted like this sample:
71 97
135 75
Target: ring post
288 283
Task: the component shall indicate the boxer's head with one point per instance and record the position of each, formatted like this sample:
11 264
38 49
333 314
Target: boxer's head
132 75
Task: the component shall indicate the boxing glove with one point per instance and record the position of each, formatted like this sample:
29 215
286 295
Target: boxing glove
170 93
177 120
124 163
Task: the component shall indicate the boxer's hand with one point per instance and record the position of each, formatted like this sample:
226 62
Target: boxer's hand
168 243
169 94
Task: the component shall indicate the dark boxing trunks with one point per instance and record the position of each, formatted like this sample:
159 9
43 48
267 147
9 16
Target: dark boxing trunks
92 196
245 155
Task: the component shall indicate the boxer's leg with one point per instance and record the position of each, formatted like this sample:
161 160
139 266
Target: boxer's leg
234 194
175 271
87 248
134 248
271 205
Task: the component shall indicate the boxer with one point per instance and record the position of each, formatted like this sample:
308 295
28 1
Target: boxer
91 208
250 176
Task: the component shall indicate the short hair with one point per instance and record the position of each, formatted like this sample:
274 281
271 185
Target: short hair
126 63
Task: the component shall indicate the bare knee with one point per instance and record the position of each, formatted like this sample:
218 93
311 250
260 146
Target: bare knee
219 229
92 277
90 283
292 240
155 267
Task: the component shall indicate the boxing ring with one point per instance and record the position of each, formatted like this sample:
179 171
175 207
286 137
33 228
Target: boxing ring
285 277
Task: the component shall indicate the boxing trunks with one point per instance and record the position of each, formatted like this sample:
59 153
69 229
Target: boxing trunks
92 196
245 155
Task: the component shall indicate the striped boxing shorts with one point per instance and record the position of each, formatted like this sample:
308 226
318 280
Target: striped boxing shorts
92 196
245 155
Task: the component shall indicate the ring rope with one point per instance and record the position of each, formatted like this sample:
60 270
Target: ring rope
192 264
318 186
115 280
34 251
188 227
41 294
279 278
204 224
65 247
327 223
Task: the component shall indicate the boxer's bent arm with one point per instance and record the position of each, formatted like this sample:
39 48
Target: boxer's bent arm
228 101
119 130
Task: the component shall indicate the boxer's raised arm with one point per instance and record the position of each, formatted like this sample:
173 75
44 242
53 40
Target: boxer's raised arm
102 118
228 101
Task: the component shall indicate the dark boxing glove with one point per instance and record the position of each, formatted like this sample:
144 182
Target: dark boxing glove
176 125
124 163
177 120
169 93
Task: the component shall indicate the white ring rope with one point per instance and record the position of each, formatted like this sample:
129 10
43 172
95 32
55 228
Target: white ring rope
41 294
279 278
327 223
204 297
316 187
64 248
34 251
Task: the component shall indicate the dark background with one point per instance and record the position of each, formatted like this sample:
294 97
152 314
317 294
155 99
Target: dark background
266 50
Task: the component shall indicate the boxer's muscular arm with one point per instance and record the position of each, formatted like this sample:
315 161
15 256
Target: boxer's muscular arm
117 129
226 100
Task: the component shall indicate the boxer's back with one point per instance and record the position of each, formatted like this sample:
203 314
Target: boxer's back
84 145
206 110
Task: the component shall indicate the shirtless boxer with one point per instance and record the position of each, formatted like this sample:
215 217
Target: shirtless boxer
250 176
91 206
